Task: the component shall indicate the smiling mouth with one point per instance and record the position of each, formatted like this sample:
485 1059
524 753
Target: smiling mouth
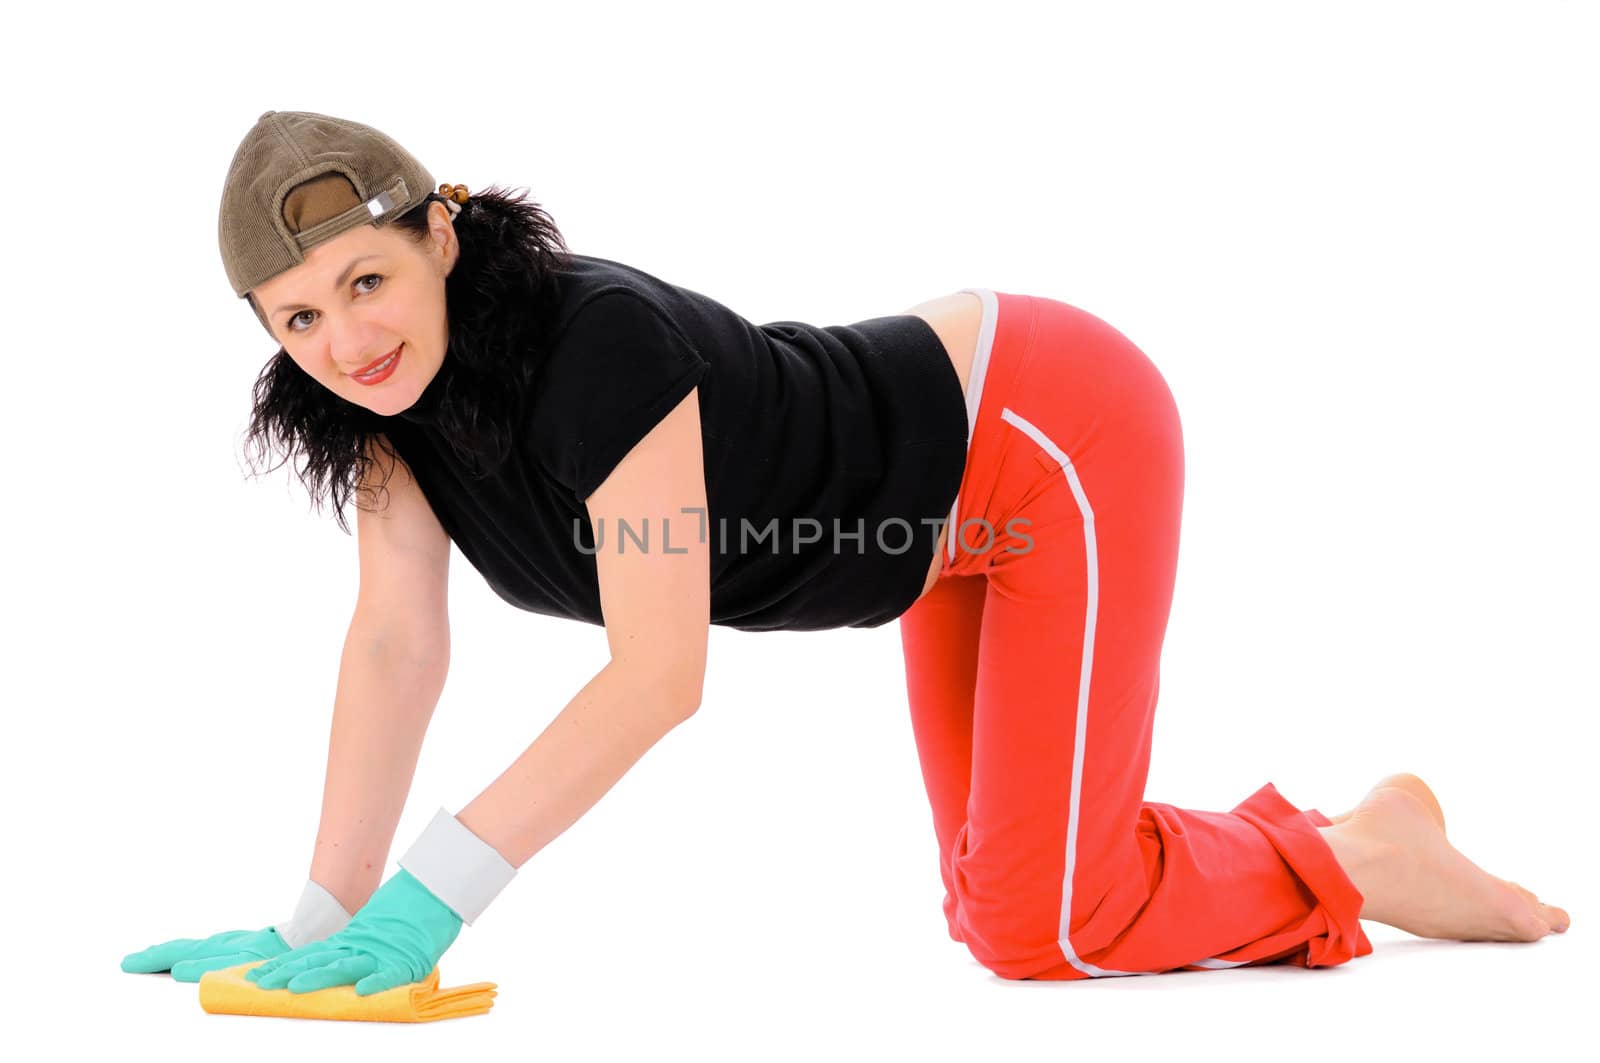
374 367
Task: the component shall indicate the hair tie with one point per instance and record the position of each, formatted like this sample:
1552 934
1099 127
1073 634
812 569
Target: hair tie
458 193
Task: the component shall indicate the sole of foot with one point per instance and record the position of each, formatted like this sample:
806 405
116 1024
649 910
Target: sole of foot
1412 785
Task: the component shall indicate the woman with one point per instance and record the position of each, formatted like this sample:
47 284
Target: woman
1002 473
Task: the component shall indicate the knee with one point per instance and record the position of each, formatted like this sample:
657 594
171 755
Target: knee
1016 936
1008 950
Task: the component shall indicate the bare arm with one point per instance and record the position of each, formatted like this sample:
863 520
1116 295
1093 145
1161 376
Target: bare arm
592 743
386 697
396 656
657 613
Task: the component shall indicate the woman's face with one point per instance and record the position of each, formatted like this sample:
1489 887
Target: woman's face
357 299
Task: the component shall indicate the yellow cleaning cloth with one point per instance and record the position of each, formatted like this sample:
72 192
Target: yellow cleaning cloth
226 992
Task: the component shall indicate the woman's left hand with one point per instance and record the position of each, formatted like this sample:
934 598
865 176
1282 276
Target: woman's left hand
395 938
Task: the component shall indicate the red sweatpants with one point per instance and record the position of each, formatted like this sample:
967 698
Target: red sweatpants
1033 668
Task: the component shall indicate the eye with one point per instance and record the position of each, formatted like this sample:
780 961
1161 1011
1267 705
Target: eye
357 282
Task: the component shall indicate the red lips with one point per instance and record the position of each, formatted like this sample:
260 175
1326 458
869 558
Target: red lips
380 375
368 367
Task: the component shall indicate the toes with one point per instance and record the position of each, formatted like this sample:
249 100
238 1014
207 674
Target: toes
1557 919
1527 926
1525 918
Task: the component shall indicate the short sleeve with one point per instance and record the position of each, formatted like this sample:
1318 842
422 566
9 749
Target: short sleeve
617 368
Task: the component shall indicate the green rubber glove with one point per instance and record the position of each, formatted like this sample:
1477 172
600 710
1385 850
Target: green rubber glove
395 938
318 914
189 958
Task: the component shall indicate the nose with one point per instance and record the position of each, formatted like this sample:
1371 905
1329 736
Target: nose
351 343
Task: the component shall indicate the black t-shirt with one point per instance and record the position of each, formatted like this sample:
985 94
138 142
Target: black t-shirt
832 454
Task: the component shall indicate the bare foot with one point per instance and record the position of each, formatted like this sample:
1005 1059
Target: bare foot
1393 847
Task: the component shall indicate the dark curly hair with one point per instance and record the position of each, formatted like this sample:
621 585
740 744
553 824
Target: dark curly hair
495 297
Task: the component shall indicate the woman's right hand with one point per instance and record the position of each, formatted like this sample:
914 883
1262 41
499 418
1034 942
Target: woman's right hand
189 958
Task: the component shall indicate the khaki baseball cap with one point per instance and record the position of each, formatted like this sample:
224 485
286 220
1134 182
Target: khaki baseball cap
300 178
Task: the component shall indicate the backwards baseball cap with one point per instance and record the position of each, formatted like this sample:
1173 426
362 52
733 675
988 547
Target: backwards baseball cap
299 179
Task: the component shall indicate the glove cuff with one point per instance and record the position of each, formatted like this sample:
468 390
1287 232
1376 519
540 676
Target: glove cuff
457 866
317 915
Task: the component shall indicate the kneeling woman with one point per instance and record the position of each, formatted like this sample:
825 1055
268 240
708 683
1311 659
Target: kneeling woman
1002 473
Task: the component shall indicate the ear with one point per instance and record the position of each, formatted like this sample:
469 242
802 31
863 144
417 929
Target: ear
442 231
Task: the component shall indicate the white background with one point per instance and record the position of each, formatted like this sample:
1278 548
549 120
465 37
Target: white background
1358 239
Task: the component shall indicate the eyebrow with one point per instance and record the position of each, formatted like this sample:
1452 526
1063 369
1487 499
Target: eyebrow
337 285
